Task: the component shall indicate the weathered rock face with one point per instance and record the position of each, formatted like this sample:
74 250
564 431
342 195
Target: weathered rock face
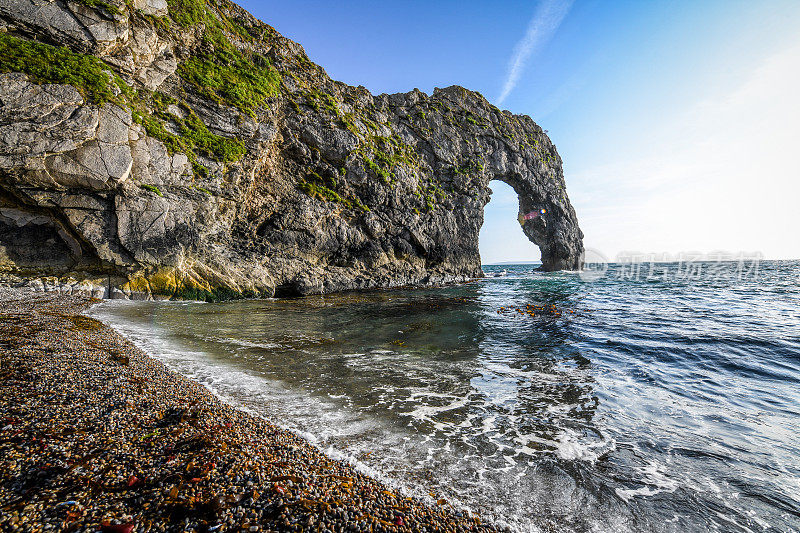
279 181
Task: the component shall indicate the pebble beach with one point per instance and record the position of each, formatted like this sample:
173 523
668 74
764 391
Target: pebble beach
95 435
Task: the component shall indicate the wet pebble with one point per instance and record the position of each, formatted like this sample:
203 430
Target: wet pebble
97 436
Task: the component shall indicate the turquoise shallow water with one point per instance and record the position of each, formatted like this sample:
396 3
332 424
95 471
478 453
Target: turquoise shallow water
667 400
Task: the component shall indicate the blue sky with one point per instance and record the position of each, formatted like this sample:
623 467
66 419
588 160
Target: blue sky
678 121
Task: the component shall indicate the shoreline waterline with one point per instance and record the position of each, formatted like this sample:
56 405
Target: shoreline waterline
538 399
146 434
422 493
310 438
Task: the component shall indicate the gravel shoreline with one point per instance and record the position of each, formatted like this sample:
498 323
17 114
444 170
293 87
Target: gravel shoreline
97 436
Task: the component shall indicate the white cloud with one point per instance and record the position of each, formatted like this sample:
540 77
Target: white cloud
724 175
541 29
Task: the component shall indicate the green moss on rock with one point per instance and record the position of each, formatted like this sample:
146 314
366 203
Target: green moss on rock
151 188
110 8
193 136
216 294
187 12
50 64
323 193
323 189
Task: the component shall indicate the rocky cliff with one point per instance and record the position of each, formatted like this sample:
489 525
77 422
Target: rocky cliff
182 148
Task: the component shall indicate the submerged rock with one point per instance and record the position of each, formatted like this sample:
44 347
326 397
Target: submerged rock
200 154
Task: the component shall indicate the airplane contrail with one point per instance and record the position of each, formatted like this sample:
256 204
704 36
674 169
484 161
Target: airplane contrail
541 29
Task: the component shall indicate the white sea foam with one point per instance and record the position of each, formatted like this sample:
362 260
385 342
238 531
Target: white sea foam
246 344
654 480
299 412
507 425
573 447
241 390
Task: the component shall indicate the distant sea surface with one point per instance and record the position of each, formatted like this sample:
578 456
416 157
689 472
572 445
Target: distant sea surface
660 402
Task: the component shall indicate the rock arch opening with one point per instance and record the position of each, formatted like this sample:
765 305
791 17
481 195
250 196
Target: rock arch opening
546 217
502 238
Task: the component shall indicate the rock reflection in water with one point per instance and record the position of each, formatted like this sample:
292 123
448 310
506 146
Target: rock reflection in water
432 387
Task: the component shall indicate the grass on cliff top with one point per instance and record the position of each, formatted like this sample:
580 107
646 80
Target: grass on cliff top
50 64
219 70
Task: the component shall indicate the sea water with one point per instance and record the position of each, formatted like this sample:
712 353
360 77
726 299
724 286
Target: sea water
540 401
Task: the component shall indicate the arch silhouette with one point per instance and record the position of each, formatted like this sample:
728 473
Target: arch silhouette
556 233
